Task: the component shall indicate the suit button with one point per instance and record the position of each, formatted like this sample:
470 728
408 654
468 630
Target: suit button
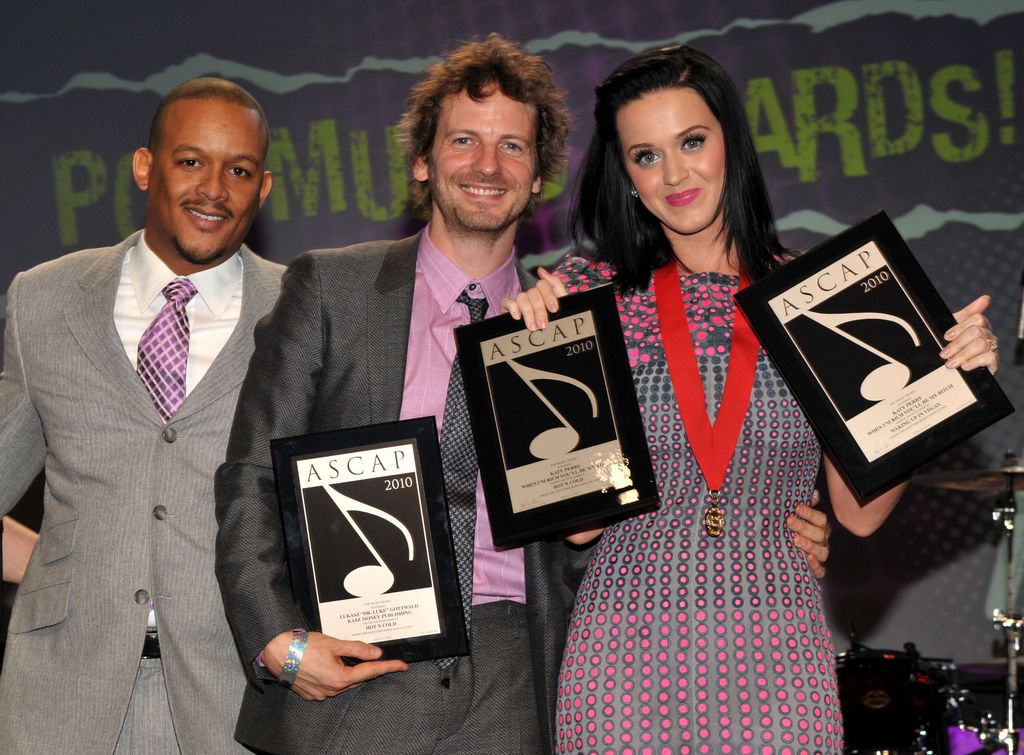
169 434
141 597
160 512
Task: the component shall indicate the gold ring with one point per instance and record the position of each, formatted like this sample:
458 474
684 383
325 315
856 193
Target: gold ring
993 344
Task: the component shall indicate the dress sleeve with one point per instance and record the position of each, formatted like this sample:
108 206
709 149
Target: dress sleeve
579 274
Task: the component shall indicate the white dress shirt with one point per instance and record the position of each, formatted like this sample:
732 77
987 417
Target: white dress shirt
212 314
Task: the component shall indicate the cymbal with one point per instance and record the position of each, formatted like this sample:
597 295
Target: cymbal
979 480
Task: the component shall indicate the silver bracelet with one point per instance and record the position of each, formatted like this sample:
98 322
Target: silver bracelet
296 650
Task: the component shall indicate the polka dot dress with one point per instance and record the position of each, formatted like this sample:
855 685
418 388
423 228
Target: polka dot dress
684 643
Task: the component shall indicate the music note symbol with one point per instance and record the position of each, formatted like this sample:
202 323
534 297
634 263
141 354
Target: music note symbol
558 440
882 381
372 579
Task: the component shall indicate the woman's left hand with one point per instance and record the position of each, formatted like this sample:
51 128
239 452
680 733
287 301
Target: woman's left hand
971 343
532 305
811 531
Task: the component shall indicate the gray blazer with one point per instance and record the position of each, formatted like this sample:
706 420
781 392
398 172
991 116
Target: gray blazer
128 515
332 355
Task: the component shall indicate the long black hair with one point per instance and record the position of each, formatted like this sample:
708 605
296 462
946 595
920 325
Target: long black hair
624 232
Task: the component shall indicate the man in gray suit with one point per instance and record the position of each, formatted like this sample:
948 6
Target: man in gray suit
365 335
118 640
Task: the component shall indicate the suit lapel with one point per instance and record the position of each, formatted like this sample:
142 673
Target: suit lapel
90 318
388 314
260 286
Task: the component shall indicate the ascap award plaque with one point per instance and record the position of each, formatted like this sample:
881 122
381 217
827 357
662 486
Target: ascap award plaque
855 327
558 431
369 547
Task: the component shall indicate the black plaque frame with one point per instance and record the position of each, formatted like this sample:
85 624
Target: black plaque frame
805 316
324 539
608 473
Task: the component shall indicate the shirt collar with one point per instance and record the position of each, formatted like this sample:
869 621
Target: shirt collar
446 281
148 274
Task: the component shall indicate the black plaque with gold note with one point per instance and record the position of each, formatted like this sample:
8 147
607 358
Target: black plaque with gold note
558 431
855 327
369 546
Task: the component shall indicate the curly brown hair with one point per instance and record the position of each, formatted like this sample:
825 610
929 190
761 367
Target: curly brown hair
477 68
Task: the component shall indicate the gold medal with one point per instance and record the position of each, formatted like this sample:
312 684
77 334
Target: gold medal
714 519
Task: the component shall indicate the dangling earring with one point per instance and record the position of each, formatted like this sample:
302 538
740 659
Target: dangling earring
632 190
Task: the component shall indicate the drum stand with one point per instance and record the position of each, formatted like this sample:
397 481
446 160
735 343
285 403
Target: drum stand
1010 621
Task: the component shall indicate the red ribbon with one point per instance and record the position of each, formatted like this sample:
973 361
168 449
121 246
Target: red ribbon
712 445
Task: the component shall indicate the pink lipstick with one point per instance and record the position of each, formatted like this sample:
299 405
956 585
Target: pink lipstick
682 198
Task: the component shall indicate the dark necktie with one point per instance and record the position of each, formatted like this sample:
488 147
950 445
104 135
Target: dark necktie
458 455
163 349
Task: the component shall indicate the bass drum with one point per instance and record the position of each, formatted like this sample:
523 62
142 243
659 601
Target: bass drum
892 702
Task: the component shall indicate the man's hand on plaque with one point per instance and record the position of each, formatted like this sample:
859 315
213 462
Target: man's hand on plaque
322 671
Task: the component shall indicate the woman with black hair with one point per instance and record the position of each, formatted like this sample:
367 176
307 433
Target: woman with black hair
699 626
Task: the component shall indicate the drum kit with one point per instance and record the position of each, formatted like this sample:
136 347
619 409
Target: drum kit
898 703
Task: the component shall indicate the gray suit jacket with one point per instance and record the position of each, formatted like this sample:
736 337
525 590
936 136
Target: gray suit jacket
128 515
332 355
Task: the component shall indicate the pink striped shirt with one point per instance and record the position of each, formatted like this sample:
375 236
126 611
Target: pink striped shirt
497 574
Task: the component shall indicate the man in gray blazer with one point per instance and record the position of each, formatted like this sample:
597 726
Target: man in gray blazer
365 335
127 538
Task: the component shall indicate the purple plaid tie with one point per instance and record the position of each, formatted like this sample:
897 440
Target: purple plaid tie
163 350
